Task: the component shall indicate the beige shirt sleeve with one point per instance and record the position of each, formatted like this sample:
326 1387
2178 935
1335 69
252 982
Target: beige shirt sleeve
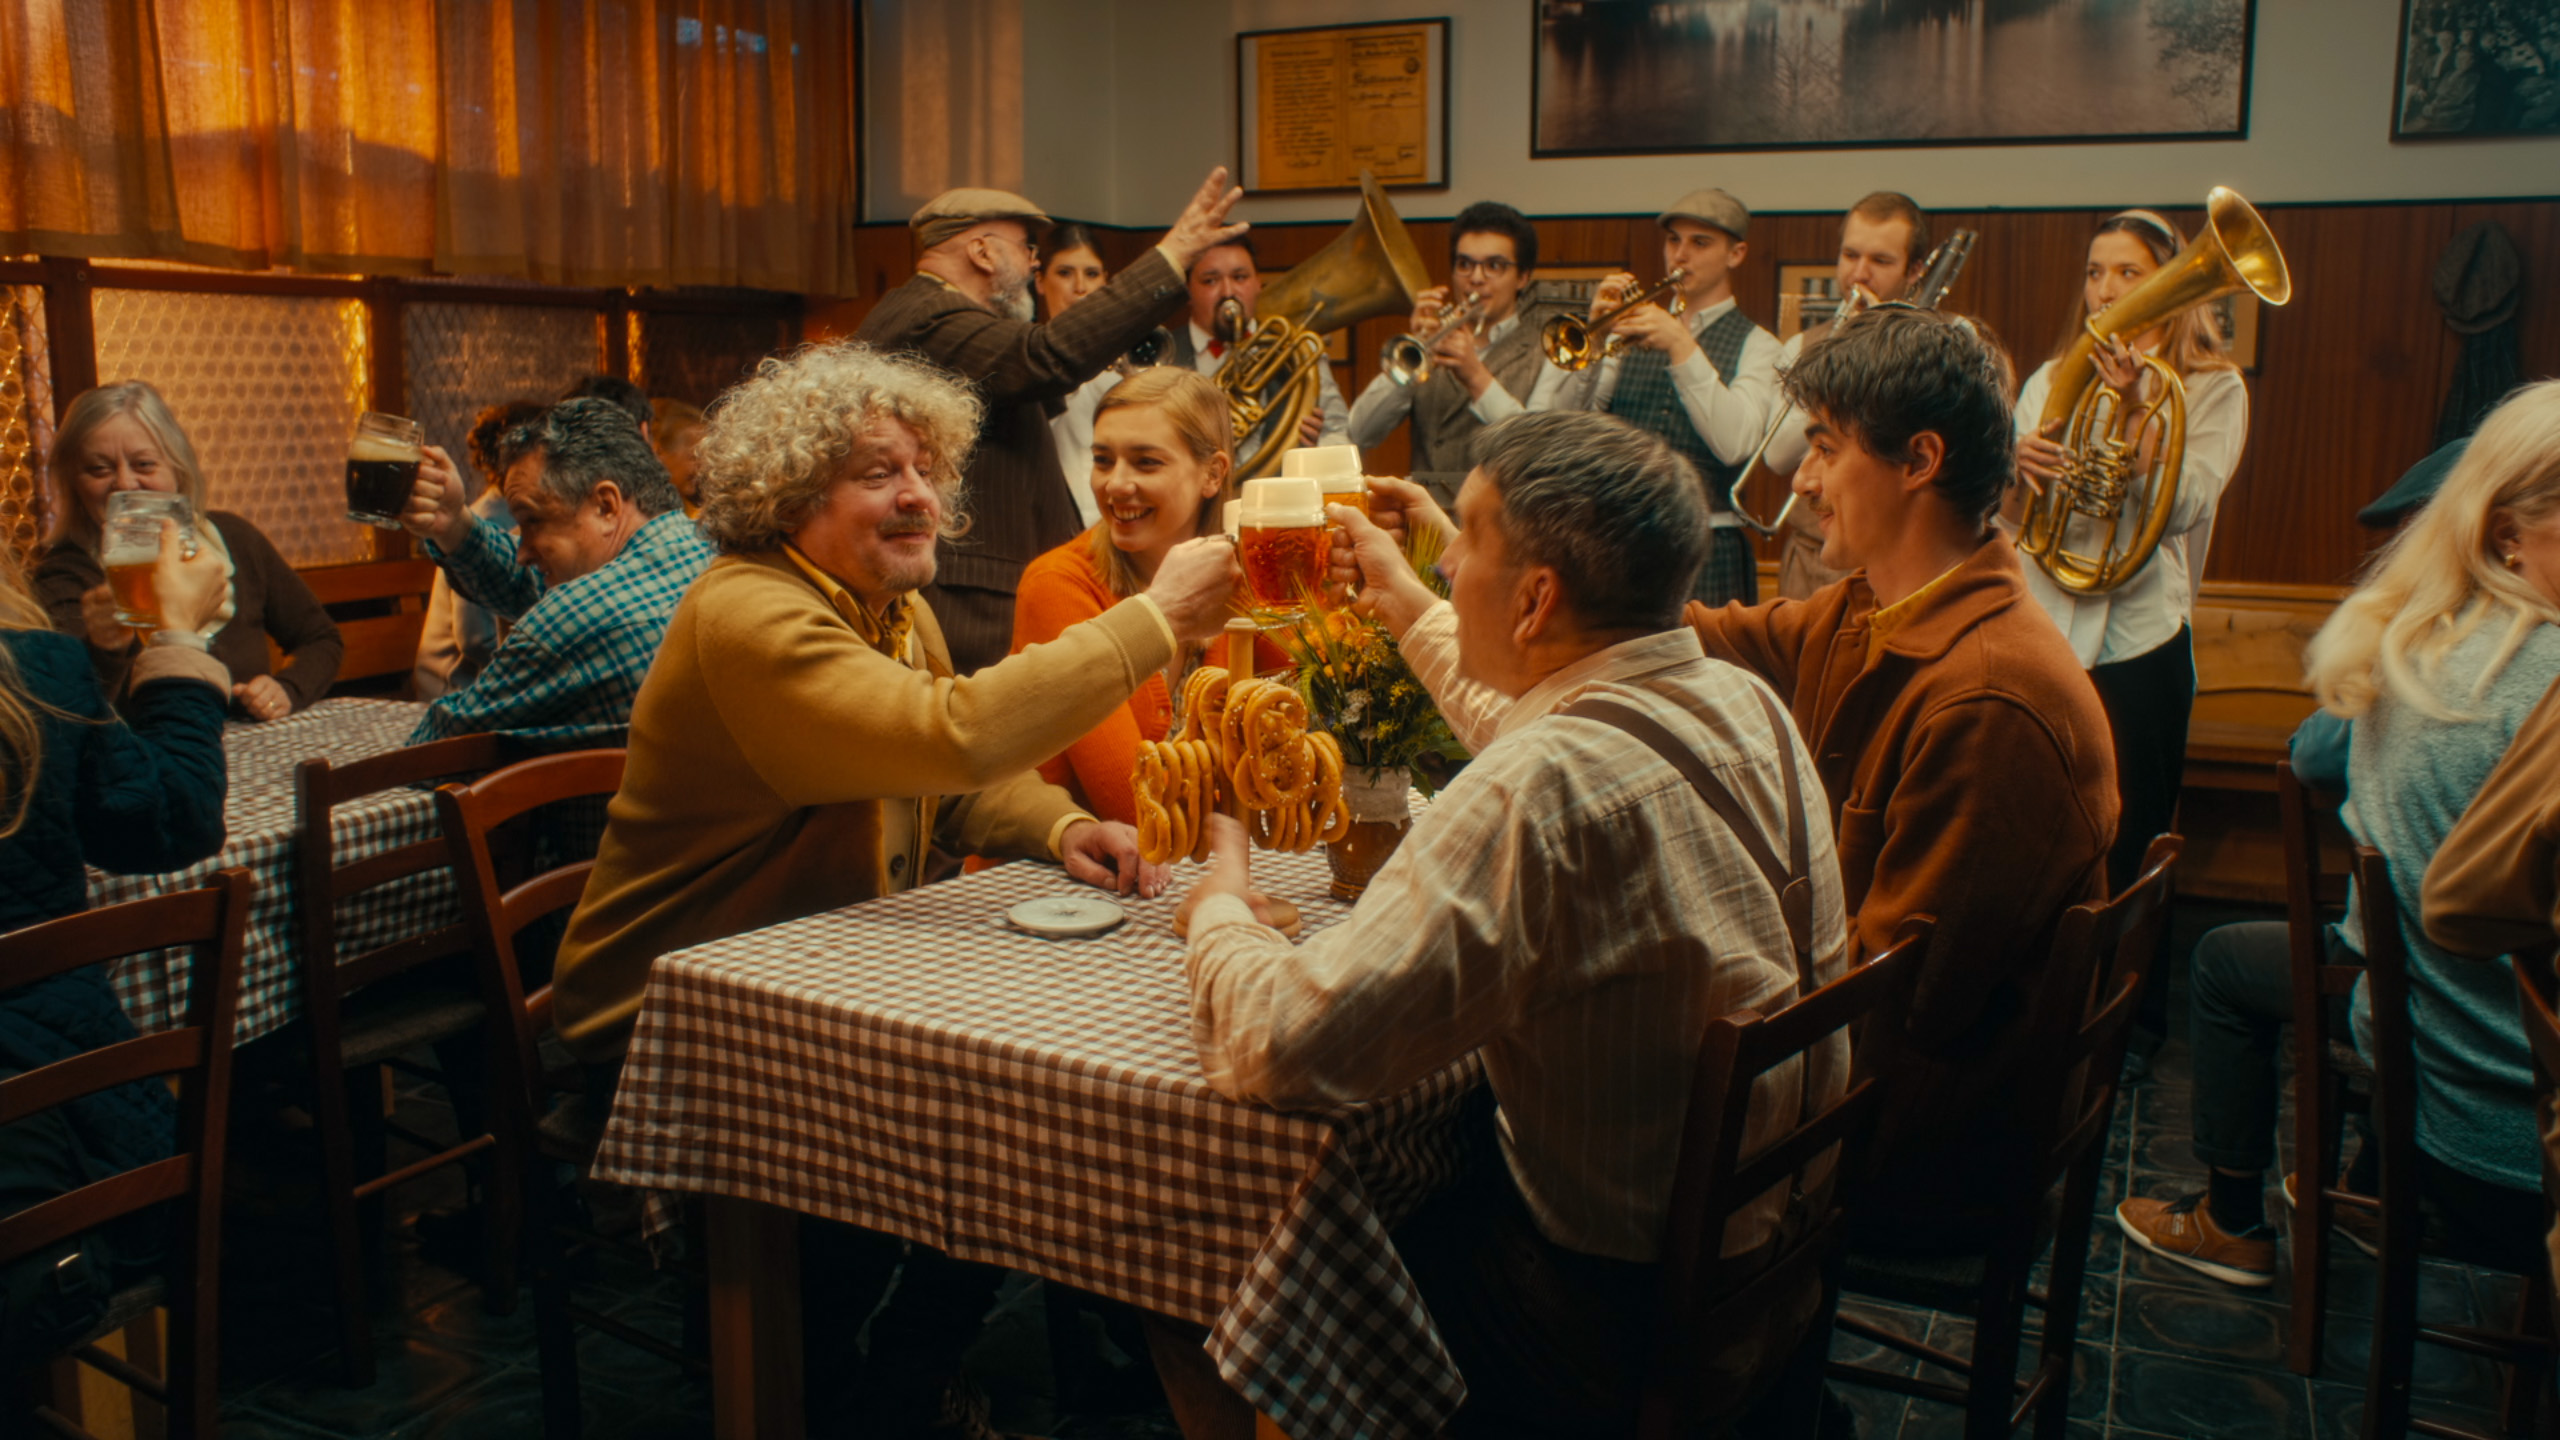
2494 886
1473 709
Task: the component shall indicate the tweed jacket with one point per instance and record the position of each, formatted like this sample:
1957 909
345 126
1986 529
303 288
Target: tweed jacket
1018 499
1971 778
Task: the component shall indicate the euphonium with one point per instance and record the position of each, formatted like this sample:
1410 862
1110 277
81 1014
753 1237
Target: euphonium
1567 338
1271 375
1407 358
2120 479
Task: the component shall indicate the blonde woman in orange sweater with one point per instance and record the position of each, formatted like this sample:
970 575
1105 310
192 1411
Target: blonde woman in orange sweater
1163 460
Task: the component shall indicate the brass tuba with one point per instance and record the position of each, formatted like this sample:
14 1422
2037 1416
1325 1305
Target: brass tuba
2120 481
1271 375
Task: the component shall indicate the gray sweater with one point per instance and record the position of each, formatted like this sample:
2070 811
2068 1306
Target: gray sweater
2410 777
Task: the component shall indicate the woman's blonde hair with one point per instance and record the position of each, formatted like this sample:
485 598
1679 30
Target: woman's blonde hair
1198 412
2193 341
21 714
72 523
2442 579
773 445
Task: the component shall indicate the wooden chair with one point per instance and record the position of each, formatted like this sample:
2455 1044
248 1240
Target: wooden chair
2323 1061
198 1054
2397 1328
2081 1019
1700 1310
547 1124
2538 999
363 1012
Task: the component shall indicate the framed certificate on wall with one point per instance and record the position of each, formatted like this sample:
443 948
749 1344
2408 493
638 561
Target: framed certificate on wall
1316 106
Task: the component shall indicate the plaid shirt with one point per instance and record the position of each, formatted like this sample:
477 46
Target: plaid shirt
569 669
1570 908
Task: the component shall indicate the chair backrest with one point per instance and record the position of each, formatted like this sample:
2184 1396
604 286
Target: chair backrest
494 914
2386 968
2538 999
319 788
1716 1181
2082 1016
212 922
2313 894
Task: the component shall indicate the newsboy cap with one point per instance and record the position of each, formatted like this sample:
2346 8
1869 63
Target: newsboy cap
1710 207
954 211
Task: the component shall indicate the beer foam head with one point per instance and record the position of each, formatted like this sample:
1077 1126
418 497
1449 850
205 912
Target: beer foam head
1283 500
1321 462
381 447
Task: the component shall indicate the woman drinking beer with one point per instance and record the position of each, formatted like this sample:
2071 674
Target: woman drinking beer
122 437
1162 462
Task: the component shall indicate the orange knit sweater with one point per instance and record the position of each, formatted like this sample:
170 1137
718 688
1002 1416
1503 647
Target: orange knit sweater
1063 588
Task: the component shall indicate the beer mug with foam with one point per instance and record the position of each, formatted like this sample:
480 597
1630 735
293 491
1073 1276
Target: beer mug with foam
382 468
1281 539
129 548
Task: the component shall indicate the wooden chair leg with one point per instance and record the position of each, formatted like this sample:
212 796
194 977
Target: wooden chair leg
2315 1139
2060 1343
2395 1318
331 1114
143 1350
2528 1381
555 1335
502 1209
1991 1394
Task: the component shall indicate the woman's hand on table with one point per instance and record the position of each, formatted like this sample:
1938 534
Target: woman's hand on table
1104 854
263 698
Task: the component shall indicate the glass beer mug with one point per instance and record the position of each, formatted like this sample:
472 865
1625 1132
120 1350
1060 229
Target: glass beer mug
382 468
1334 467
129 549
1280 537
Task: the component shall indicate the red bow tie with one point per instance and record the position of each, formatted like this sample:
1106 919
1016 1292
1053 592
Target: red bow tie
1217 349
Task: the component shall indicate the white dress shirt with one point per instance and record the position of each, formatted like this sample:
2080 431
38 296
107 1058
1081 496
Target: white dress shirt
1073 429
1385 404
1787 448
1570 908
1728 417
2144 613
1337 416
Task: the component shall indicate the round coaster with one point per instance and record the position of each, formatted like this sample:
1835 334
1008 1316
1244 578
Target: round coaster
1066 917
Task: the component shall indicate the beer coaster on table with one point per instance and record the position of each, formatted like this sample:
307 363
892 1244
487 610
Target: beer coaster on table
1066 917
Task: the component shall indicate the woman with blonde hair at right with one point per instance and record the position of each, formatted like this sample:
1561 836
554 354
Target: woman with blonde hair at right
2437 658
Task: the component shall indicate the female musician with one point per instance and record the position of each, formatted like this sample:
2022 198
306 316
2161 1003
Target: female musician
1073 271
2438 657
2136 639
1162 462
122 437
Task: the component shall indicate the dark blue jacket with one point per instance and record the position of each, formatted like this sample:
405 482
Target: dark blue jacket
135 797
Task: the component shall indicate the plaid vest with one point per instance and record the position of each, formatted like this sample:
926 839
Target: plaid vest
1645 397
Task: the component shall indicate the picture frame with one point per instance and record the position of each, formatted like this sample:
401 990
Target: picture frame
1807 289
2467 69
2237 317
1613 79
1318 104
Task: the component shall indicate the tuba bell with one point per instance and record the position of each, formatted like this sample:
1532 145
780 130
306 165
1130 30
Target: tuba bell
2120 478
1270 376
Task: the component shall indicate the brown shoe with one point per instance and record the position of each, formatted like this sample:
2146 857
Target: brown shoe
2362 1227
2182 1230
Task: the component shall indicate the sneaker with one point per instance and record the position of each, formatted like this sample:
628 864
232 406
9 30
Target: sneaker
2182 1230
2362 1227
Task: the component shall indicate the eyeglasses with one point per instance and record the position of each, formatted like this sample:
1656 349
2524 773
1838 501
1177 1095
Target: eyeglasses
1491 266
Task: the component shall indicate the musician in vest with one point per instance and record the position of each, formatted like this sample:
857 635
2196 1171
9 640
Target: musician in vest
1231 270
1884 240
1487 369
1705 380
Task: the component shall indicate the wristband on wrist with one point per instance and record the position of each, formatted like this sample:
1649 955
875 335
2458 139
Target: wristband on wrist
183 639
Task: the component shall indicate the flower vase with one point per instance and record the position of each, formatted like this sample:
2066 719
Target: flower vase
1380 816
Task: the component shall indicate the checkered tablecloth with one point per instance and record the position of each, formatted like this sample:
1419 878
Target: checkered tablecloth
916 1066
259 815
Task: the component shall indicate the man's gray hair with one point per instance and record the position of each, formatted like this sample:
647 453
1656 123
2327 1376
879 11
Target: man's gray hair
1616 513
583 443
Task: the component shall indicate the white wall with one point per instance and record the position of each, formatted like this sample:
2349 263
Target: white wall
2319 125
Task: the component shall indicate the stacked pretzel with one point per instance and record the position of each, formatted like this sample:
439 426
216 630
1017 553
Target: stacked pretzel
1245 742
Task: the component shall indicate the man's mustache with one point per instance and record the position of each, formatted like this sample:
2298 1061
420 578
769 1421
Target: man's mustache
912 525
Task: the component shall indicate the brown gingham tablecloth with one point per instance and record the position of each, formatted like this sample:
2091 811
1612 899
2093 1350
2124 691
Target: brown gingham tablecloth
259 814
916 1066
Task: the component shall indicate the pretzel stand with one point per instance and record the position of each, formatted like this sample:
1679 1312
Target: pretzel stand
1240 744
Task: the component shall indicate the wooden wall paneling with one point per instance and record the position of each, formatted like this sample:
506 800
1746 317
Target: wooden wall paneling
2536 231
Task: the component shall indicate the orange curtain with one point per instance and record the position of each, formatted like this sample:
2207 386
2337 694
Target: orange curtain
637 142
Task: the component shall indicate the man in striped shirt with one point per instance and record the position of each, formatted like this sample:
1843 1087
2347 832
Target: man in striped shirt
1571 907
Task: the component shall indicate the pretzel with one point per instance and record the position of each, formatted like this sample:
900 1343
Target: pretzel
1246 739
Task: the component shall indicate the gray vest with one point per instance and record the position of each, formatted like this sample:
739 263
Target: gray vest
1646 397
1445 429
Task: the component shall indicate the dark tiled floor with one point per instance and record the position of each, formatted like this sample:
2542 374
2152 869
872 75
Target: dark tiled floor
2166 1352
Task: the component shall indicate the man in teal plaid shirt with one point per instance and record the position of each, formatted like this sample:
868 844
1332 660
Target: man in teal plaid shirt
600 556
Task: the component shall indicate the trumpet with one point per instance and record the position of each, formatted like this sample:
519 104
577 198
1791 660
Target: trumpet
1149 351
1407 358
1567 338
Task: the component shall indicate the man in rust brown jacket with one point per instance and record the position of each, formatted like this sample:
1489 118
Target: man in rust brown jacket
1964 751
968 309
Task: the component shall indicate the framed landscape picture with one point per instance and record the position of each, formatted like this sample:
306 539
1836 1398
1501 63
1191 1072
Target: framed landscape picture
1615 77
2477 67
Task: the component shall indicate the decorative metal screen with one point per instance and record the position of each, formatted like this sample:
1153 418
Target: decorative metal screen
463 357
693 357
268 388
26 418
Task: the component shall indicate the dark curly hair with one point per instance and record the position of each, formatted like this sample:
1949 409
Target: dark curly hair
489 428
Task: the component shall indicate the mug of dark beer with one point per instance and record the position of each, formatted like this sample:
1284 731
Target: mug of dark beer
130 550
382 468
